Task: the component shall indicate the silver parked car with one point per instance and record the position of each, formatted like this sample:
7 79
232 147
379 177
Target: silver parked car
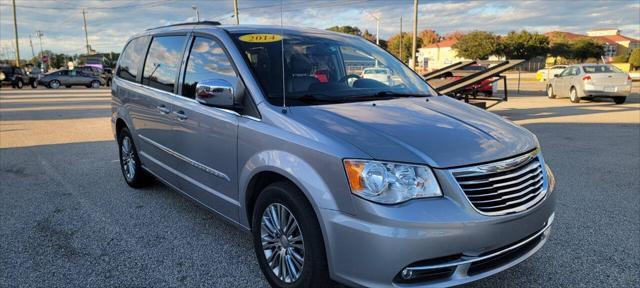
338 177
590 80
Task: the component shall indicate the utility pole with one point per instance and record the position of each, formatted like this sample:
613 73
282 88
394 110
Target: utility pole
235 11
400 38
415 34
15 33
86 34
377 28
33 54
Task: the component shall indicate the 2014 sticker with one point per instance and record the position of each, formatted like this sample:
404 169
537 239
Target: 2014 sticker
260 38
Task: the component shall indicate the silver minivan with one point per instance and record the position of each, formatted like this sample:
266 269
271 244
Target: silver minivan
338 177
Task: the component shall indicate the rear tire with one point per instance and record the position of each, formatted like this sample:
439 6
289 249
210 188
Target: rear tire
270 238
550 94
130 164
34 84
19 84
95 84
573 95
619 100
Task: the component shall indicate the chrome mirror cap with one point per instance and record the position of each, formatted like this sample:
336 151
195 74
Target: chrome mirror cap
216 92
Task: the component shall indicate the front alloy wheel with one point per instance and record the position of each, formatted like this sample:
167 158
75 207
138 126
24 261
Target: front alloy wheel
573 95
282 242
287 238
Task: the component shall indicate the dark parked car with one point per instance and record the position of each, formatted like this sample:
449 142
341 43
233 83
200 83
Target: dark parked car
14 76
107 75
70 78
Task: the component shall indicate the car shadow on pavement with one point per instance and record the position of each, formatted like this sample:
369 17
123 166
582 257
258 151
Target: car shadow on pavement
600 107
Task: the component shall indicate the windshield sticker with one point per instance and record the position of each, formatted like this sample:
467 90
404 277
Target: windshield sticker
260 38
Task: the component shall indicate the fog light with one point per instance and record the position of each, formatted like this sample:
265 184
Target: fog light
407 274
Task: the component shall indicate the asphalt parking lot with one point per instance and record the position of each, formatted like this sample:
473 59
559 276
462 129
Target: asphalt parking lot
67 218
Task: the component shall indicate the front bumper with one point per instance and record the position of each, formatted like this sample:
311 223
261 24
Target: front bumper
372 249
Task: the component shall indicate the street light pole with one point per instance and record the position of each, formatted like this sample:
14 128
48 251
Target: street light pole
194 7
33 54
86 34
415 34
400 38
15 33
235 11
377 27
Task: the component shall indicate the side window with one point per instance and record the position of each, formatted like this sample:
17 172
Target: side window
207 61
132 58
163 62
566 72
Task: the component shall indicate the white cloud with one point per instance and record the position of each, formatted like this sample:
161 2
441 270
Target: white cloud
110 23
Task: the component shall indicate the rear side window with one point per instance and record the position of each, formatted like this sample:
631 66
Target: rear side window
207 61
132 58
163 62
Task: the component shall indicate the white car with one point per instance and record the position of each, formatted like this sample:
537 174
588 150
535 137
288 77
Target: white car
547 73
379 74
590 80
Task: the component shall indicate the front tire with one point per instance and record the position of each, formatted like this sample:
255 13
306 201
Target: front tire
619 100
573 95
34 84
130 165
550 94
54 84
287 238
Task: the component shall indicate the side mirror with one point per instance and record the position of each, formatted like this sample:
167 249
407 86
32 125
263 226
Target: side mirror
556 75
217 92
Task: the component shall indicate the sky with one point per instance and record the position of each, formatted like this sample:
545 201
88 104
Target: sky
110 23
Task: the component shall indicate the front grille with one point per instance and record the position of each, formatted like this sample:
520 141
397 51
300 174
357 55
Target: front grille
503 187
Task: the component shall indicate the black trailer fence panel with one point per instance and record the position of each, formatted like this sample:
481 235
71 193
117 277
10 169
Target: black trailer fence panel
459 88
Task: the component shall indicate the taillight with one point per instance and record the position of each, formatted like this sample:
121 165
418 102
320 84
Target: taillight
586 78
628 77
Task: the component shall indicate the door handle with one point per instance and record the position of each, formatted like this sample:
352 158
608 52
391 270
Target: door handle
163 109
181 116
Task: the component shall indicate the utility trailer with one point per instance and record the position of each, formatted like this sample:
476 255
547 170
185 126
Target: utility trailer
458 82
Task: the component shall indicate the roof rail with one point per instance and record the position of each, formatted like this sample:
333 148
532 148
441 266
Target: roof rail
214 23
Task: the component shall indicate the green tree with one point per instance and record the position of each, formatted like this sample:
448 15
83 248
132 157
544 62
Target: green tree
583 49
477 45
393 46
429 36
346 29
634 58
624 58
524 45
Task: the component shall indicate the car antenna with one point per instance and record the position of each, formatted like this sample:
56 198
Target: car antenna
284 88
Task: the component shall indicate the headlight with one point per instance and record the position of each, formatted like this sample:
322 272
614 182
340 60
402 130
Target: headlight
390 183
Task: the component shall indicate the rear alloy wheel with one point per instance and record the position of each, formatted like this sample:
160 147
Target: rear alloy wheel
19 84
573 95
550 94
95 84
288 239
619 100
54 84
132 171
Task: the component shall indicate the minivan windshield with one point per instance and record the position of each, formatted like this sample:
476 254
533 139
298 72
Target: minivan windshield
322 68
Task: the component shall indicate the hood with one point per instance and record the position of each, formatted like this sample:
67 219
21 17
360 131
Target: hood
441 132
